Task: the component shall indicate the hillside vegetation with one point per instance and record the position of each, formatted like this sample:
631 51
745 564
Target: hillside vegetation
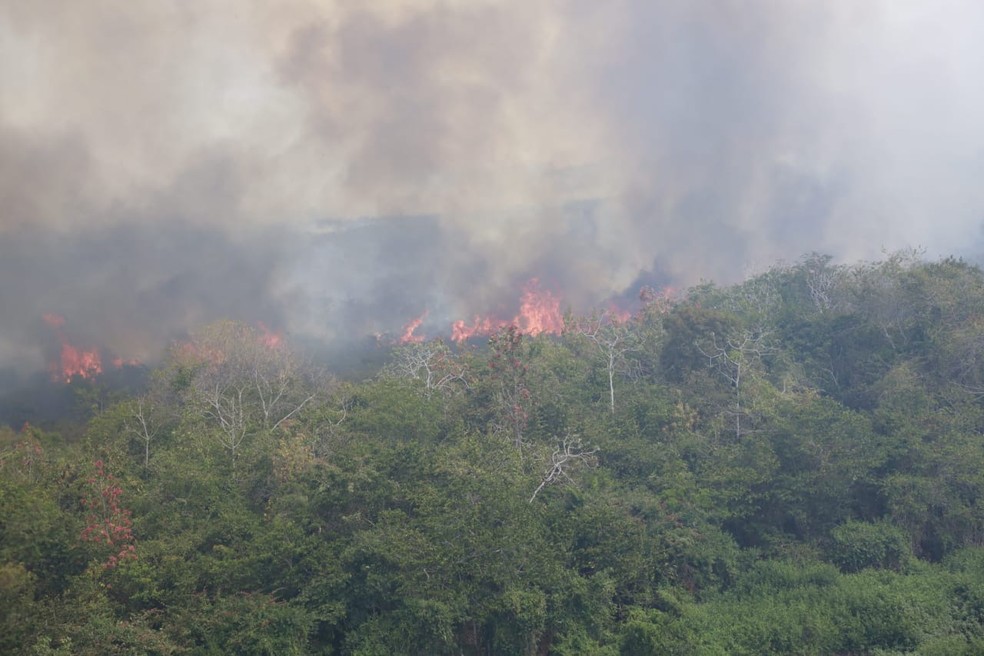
794 464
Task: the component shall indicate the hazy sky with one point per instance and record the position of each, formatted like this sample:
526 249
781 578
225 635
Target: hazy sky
332 168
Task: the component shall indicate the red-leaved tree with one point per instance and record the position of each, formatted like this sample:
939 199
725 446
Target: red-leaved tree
107 523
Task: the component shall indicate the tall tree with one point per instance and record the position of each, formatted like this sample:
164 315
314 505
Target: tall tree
239 382
613 339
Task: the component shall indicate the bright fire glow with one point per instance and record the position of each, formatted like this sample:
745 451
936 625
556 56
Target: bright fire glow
539 312
407 337
73 361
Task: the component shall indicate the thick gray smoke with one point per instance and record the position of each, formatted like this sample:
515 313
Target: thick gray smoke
333 169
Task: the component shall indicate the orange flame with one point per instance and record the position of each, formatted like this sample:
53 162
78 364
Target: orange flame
460 331
617 314
407 337
269 338
73 361
539 312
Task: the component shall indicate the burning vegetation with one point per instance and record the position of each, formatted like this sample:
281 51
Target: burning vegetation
72 360
539 313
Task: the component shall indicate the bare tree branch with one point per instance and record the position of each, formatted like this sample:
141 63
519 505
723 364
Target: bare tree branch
613 339
432 363
569 455
732 357
242 383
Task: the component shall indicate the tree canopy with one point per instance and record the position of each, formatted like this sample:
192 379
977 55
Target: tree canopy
793 464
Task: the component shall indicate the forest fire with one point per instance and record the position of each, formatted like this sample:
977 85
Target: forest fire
407 337
72 360
539 312
269 338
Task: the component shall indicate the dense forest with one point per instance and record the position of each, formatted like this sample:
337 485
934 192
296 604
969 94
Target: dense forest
793 464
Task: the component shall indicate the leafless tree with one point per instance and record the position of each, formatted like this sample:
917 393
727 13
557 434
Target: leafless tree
150 415
882 297
243 383
433 363
733 357
145 419
223 400
821 281
569 455
284 387
613 339
757 298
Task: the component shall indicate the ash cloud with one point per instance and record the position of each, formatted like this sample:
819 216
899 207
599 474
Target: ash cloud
333 169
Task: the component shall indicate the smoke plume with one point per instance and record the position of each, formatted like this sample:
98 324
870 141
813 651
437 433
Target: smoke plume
336 169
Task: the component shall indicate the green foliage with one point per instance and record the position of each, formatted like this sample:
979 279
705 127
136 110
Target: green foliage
790 465
17 607
393 410
250 624
859 545
685 328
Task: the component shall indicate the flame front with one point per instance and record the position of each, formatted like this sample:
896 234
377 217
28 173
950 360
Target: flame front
73 361
460 331
407 337
539 312
78 362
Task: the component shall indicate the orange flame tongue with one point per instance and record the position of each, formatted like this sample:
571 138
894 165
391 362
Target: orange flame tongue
78 362
73 361
460 331
539 312
408 337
